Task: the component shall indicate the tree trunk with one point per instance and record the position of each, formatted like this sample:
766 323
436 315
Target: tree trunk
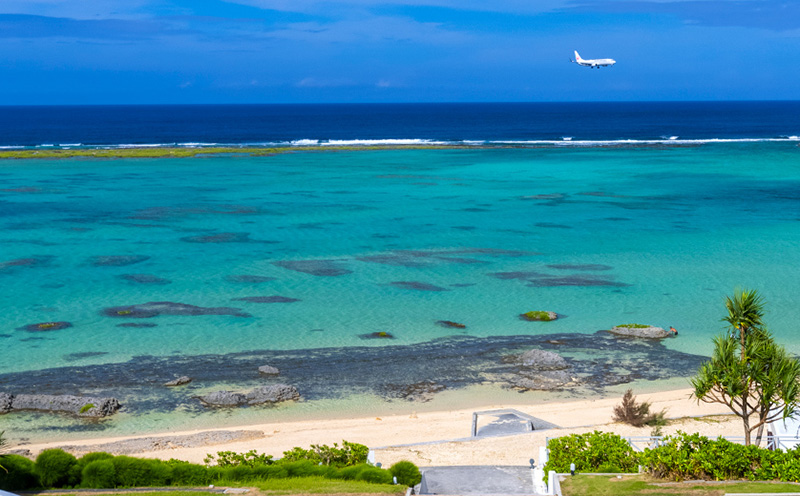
759 433
746 421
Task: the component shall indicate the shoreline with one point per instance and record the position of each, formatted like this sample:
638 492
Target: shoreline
440 437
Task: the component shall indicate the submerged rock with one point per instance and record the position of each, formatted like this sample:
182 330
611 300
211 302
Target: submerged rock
249 279
225 237
548 380
417 286
267 299
117 260
144 279
420 391
451 324
638 331
76 405
268 370
45 326
155 308
543 360
180 381
322 268
377 335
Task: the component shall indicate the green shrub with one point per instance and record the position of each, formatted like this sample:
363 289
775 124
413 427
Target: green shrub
19 474
76 472
231 458
53 468
692 456
349 454
238 473
591 451
215 474
270 472
375 475
637 414
351 473
99 474
132 472
301 468
85 408
189 474
407 473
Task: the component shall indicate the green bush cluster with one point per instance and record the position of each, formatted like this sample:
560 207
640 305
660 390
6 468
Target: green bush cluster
679 457
591 452
348 454
57 469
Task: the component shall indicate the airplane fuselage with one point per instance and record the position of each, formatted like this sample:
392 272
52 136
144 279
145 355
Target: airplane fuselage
593 62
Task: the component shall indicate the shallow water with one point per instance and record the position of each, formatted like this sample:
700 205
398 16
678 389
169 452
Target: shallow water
307 251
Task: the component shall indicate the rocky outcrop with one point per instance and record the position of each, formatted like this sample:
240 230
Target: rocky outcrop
162 443
81 406
274 393
543 360
451 324
268 370
5 402
548 380
180 381
648 332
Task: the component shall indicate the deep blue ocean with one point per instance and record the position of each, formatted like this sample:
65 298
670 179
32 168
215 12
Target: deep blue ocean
347 269
448 122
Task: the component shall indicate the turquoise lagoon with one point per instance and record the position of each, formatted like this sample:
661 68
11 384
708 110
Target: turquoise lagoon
357 242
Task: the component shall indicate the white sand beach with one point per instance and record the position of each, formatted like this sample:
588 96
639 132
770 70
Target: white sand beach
440 438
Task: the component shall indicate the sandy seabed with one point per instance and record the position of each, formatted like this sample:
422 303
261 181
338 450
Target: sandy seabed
441 438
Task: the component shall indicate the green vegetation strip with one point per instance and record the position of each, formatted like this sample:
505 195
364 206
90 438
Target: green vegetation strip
182 152
603 485
320 485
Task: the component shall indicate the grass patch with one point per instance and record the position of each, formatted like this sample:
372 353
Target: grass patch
603 485
537 315
188 492
320 485
633 326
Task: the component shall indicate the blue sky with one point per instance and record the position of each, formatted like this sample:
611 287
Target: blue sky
297 51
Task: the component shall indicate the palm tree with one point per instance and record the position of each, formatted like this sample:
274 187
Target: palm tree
745 311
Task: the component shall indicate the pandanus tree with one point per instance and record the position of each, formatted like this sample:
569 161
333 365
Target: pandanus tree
748 371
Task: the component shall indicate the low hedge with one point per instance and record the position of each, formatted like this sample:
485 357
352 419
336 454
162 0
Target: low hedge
679 457
58 469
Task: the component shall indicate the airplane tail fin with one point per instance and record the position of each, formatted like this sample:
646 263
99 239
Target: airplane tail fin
577 57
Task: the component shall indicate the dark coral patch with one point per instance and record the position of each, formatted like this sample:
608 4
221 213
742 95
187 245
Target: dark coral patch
324 268
417 286
518 275
551 225
586 267
575 280
117 260
137 324
248 279
225 237
45 326
144 279
155 308
25 262
267 299
377 335
73 357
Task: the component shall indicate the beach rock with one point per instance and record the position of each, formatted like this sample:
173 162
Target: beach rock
649 332
162 443
180 381
539 315
268 370
543 360
77 405
420 391
5 402
377 335
223 398
274 393
267 299
117 260
543 381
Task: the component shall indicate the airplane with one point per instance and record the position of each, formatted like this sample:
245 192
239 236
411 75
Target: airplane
592 62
